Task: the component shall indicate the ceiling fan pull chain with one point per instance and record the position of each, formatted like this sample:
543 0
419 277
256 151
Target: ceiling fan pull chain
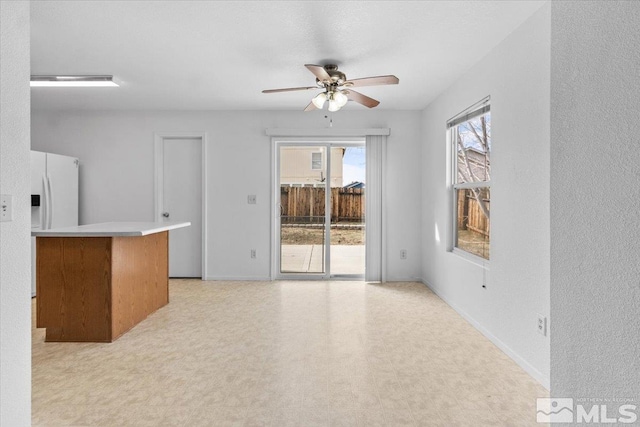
330 120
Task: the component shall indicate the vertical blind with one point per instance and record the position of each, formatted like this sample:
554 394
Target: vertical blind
375 145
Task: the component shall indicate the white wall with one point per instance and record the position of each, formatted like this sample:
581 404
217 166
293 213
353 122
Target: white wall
15 243
116 174
595 199
516 76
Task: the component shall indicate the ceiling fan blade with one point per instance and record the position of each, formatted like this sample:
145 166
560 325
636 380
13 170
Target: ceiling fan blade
310 107
372 81
289 89
319 72
361 99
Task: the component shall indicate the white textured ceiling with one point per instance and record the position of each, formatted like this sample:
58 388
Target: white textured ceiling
219 55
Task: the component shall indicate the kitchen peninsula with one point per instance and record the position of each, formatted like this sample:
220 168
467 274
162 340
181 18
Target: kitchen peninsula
95 282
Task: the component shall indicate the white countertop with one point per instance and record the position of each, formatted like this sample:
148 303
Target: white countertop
111 229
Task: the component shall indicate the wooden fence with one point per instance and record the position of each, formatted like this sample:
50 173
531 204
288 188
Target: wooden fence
302 204
470 216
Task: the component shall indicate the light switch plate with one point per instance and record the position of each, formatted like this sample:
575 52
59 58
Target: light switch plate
6 207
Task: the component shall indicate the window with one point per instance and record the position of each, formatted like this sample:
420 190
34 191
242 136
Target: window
316 161
470 136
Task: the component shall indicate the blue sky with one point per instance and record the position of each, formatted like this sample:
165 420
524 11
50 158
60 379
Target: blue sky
353 165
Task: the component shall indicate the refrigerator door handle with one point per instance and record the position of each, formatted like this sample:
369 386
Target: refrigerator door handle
44 216
50 199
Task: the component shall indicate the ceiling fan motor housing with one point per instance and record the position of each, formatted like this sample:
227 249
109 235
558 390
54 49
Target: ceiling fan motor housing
337 77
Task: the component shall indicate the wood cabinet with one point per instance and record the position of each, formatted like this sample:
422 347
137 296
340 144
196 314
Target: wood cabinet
98 288
96 282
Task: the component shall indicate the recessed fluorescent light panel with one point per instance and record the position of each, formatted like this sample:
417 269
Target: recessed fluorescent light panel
73 81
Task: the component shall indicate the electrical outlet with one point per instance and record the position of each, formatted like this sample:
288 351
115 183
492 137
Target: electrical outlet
253 254
6 207
252 199
403 254
542 325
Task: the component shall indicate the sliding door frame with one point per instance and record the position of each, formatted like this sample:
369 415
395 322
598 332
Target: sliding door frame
375 137
327 143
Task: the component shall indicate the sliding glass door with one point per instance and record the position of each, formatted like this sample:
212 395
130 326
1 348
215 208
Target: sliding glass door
303 175
347 213
320 202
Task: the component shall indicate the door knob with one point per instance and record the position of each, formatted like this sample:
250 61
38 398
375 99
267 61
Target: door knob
165 214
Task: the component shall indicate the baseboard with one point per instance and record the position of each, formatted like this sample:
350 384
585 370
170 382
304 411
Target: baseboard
404 279
238 278
530 369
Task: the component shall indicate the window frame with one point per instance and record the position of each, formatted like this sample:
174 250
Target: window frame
478 109
313 162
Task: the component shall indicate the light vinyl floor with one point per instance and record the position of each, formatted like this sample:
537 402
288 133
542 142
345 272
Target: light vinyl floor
286 354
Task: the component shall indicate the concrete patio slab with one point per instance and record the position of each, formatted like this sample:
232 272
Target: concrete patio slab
345 259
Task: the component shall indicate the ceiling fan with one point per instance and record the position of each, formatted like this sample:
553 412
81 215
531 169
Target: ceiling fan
337 89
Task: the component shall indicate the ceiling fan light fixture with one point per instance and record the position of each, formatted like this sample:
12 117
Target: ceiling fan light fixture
333 105
319 100
337 100
340 98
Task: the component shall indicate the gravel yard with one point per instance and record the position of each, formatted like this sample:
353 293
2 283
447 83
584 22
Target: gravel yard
314 236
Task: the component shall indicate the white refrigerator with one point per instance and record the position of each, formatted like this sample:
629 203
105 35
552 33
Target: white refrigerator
54 196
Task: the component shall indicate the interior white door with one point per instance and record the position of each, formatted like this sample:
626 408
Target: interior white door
182 201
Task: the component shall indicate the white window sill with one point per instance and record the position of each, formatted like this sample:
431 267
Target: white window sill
475 259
